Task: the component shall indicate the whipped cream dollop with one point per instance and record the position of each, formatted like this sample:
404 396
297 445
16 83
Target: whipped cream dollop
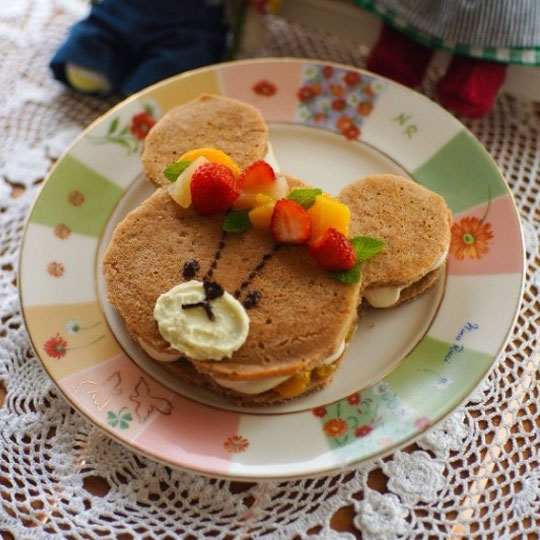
200 327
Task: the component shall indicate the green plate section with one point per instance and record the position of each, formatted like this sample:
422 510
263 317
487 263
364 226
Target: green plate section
437 375
365 418
77 196
462 172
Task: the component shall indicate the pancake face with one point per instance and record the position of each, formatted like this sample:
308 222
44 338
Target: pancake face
413 221
234 127
302 316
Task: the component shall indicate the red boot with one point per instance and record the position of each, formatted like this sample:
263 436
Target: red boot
397 57
470 86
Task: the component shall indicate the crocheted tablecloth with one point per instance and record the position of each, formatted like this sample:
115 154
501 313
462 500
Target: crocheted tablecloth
476 474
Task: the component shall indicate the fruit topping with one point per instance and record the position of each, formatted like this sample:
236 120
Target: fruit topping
261 216
180 189
304 196
213 189
261 199
333 251
290 222
328 212
174 170
214 156
256 176
279 189
259 179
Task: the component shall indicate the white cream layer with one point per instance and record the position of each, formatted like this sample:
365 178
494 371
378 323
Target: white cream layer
270 158
258 386
160 356
384 297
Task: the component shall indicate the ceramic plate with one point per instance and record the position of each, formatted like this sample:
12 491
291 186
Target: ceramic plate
405 369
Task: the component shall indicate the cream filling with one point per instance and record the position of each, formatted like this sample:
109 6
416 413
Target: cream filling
383 297
270 158
160 356
258 386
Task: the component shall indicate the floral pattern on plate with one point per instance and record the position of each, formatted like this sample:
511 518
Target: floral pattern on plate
337 99
129 134
376 415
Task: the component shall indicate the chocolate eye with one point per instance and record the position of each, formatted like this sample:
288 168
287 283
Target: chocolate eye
191 267
252 299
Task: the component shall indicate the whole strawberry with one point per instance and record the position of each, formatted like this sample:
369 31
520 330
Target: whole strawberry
333 251
213 188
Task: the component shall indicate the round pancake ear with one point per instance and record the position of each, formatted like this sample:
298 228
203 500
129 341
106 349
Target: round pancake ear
209 121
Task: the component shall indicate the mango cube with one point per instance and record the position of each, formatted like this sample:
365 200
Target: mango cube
327 213
261 216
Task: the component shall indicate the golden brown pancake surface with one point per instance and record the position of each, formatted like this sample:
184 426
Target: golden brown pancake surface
303 313
211 121
414 223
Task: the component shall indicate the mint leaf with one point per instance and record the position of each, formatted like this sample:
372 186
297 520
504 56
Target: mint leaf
237 221
174 170
350 276
304 196
366 247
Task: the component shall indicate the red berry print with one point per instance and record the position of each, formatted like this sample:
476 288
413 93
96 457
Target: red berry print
141 124
264 88
364 430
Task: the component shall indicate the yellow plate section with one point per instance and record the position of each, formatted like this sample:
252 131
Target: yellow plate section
70 337
173 92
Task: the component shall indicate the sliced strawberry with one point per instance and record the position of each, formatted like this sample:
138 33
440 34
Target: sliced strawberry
257 175
333 251
213 189
290 222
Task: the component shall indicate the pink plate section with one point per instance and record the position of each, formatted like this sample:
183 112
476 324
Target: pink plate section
269 86
117 394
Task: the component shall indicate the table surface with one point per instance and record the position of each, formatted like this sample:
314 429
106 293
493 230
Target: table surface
495 466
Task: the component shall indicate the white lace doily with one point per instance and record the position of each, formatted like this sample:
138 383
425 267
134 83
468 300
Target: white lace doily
476 475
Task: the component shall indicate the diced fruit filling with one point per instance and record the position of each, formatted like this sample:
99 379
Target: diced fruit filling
294 385
333 251
290 223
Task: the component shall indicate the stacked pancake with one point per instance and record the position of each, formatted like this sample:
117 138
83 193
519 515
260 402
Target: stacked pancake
415 224
300 317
